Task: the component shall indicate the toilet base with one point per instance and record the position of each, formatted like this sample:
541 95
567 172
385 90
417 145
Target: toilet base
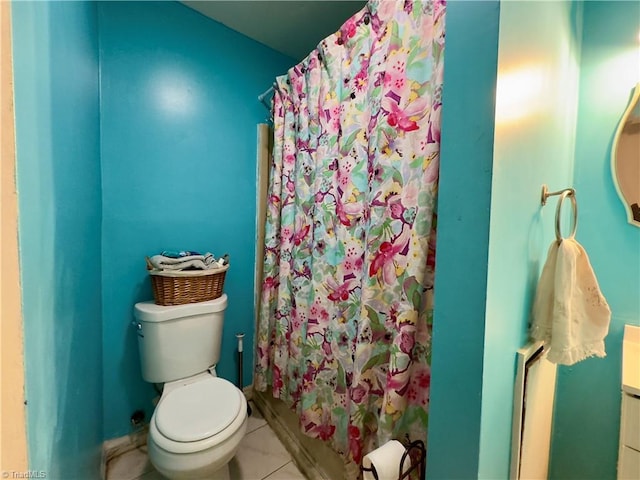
208 464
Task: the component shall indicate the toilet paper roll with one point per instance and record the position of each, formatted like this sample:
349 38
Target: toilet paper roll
386 460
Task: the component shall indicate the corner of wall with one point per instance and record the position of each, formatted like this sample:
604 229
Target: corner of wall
13 442
577 19
536 99
609 68
464 204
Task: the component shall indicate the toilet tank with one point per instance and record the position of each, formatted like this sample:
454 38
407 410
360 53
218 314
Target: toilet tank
178 341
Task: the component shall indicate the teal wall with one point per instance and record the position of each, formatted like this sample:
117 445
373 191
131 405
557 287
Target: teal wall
463 234
538 69
178 111
545 133
587 413
144 144
58 180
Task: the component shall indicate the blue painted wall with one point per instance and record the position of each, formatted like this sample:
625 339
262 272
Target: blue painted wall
493 234
463 239
179 112
538 70
587 412
178 115
58 179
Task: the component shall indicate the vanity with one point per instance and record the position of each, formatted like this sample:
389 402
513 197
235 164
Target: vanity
629 453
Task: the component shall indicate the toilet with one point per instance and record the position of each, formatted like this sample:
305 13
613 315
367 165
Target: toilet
200 419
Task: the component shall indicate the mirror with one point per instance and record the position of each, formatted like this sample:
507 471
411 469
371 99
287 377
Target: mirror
625 159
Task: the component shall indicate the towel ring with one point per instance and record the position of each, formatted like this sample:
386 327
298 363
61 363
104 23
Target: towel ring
574 206
567 192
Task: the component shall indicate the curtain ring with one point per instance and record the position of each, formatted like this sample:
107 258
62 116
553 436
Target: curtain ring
574 206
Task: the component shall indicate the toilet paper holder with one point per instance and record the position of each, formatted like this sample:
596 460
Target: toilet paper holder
416 452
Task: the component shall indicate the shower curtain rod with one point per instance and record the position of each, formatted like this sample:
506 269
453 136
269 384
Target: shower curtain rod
262 97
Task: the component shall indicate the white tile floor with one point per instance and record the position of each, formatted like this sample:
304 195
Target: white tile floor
261 456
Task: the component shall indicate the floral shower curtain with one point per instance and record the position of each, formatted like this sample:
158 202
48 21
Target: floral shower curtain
344 331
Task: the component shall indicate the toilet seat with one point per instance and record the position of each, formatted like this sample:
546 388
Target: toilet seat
198 415
198 410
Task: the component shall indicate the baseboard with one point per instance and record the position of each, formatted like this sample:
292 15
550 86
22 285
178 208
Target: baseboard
118 446
306 457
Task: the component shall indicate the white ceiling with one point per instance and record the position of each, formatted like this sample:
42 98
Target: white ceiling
293 27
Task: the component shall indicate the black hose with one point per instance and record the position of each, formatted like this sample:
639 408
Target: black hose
240 336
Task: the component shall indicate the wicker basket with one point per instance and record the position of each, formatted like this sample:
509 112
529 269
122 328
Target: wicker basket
182 287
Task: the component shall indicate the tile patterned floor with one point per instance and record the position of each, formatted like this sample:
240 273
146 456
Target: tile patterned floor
261 456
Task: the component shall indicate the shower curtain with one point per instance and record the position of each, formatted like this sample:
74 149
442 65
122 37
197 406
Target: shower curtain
344 330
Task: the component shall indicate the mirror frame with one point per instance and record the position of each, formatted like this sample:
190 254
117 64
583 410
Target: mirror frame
635 98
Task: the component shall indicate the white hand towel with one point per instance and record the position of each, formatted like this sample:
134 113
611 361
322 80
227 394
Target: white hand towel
570 313
543 303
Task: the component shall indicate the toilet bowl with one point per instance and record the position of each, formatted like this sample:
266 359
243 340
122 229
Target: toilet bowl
200 419
197 428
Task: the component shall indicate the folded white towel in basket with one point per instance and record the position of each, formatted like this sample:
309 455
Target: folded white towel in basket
570 313
200 262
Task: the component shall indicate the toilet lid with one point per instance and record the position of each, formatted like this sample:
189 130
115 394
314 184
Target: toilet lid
198 410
